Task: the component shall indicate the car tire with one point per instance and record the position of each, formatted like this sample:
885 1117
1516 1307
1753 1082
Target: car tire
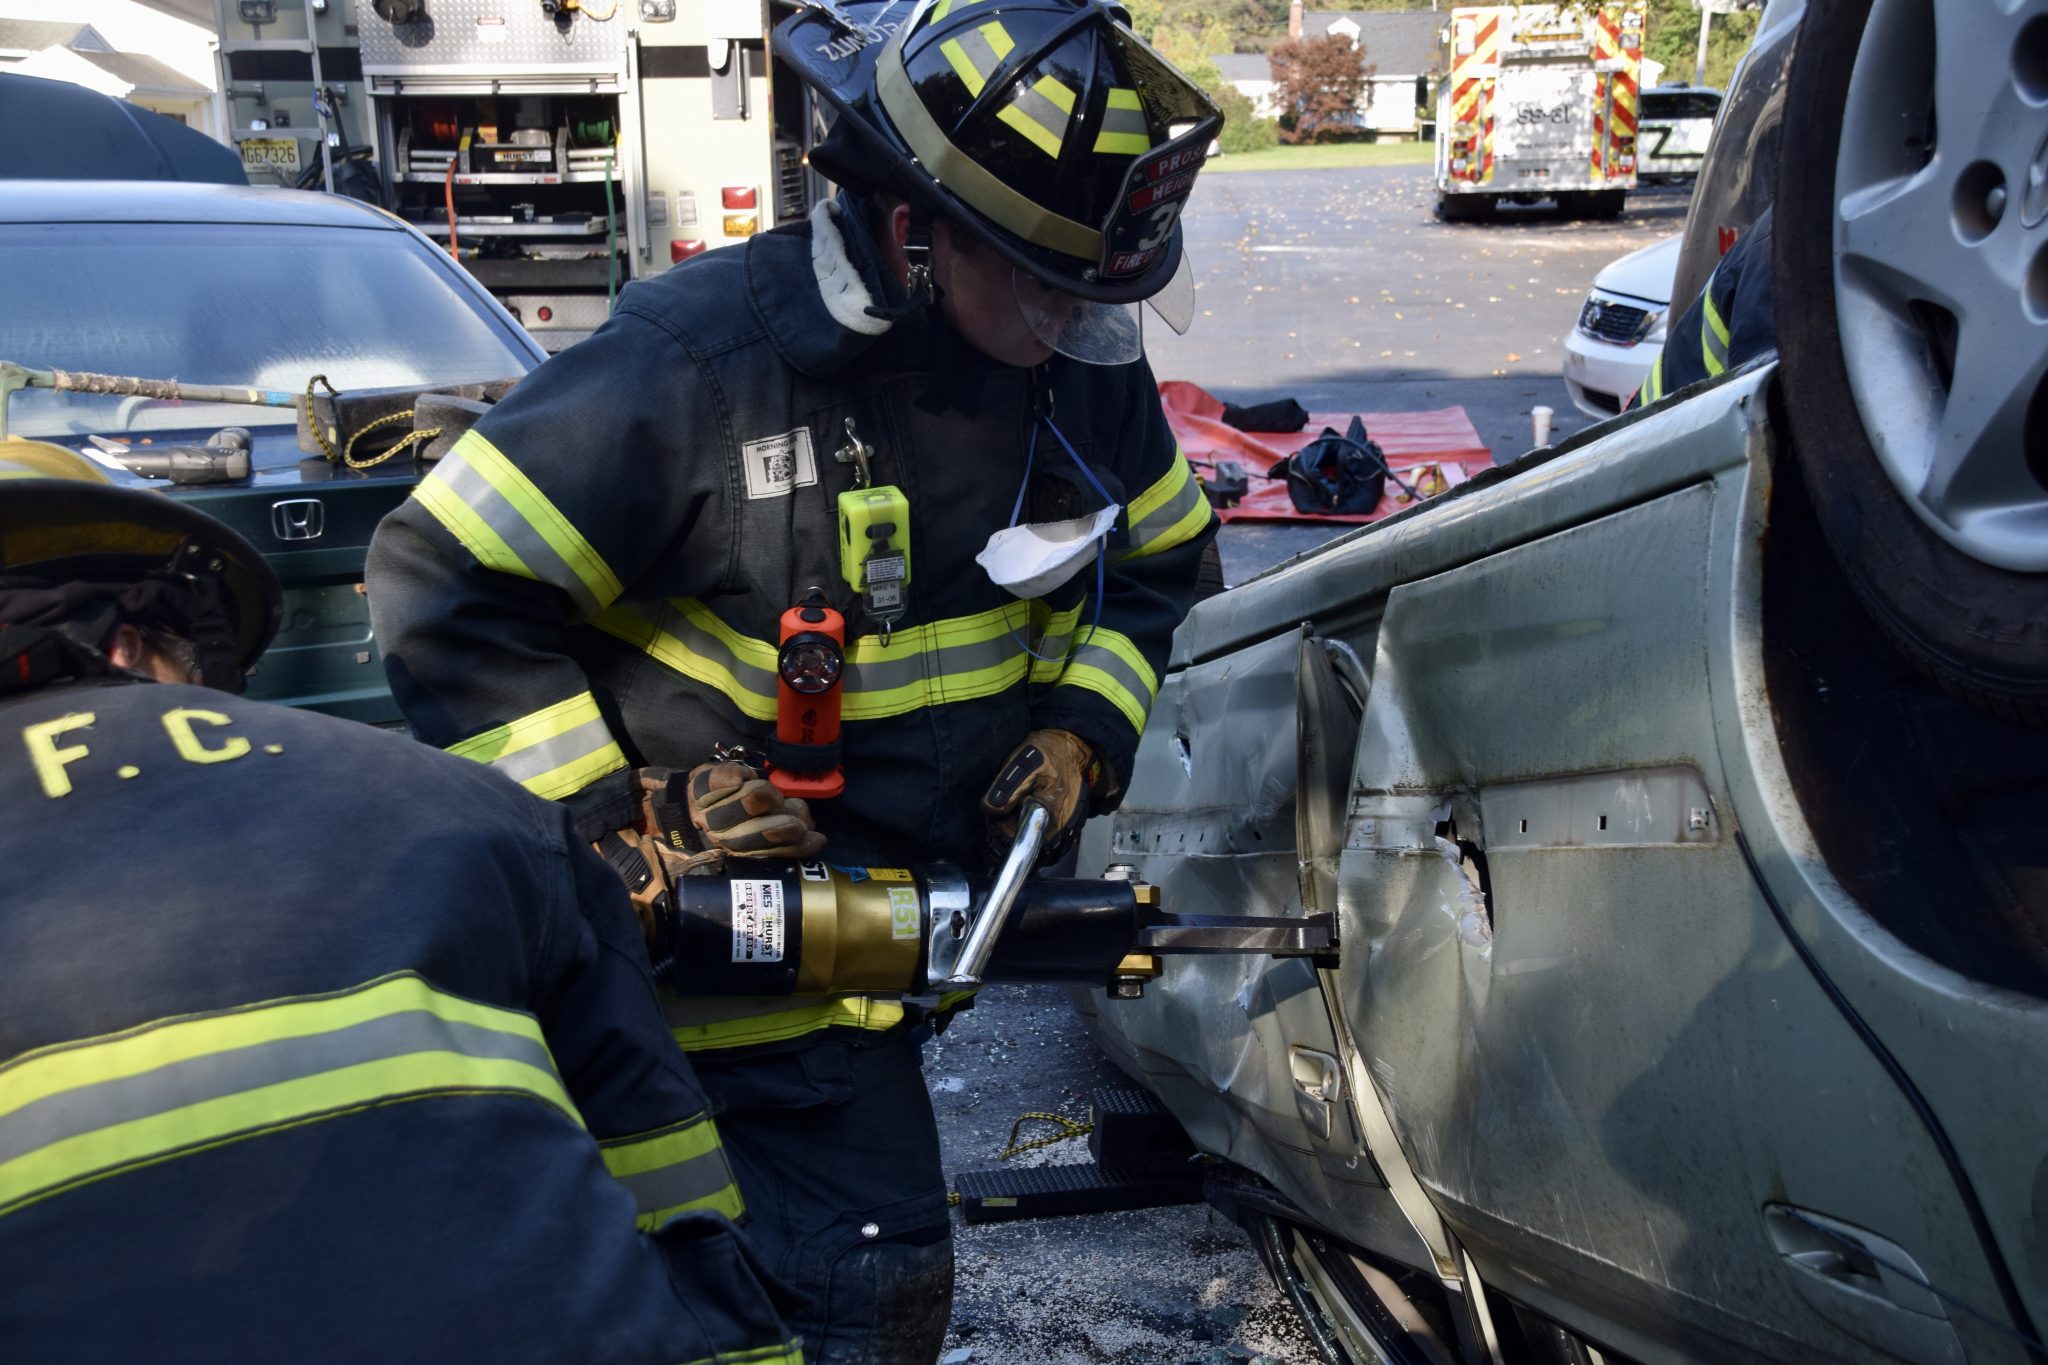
1599 205
1464 208
1209 579
1858 350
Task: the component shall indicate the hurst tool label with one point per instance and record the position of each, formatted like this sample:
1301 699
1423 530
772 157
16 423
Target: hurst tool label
757 920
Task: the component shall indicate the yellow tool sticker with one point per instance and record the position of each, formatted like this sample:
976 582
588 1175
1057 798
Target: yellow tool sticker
905 920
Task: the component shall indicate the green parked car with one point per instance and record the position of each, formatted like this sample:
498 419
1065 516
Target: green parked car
221 285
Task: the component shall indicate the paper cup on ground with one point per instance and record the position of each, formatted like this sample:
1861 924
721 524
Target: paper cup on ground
1540 416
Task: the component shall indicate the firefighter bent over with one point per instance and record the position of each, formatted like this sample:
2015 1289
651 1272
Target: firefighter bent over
315 1044
921 419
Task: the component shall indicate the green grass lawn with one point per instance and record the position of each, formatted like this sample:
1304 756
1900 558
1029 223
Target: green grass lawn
1327 156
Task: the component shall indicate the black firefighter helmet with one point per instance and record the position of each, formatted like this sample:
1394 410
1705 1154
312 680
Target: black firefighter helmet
1045 128
74 548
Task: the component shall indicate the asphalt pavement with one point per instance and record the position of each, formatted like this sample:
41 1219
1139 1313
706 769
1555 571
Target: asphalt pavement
1337 288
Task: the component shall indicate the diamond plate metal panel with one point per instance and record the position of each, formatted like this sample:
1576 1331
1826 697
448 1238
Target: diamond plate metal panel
498 35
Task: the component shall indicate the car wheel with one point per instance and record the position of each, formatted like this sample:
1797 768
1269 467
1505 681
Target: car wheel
1464 208
1911 278
1601 205
1209 580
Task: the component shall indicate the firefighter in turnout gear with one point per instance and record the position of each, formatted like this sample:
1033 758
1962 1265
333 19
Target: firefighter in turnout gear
592 581
1732 321
315 1044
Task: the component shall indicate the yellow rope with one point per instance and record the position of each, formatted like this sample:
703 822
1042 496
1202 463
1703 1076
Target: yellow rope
347 454
1069 1129
319 429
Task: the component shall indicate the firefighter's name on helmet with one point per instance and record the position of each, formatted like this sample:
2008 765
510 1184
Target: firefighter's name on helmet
858 38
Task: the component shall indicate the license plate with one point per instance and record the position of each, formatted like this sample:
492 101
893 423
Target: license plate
271 154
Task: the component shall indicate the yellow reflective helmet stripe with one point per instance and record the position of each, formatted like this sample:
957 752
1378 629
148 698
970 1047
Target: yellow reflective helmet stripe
499 516
1124 132
553 752
974 183
1171 512
673 1170
82 1111
976 52
1041 113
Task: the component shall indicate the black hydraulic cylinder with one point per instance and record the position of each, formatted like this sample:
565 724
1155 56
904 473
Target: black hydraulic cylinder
1067 931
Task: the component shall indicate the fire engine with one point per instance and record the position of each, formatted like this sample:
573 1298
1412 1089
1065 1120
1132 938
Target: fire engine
1538 102
559 148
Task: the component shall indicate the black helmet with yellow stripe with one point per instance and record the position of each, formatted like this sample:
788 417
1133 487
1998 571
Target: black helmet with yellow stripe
1045 128
79 556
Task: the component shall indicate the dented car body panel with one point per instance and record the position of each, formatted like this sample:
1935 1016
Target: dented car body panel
1567 1035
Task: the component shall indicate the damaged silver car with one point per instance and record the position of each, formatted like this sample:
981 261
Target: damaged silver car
1690 997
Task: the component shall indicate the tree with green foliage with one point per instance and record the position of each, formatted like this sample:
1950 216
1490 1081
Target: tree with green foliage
1672 36
1320 83
1186 36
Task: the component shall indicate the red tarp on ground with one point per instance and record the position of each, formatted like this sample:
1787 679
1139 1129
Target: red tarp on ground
1410 440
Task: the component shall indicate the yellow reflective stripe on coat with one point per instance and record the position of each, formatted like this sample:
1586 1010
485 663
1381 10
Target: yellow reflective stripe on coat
498 515
82 1111
1110 664
1171 512
788 1353
1713 335
867 1012
673 1170
553 752
1123 125
840 1011
957 659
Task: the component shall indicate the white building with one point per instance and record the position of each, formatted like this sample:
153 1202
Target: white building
158 56
1401 49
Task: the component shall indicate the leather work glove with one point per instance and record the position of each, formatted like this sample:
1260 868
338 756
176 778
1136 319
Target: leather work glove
1055 768
741 814
649 872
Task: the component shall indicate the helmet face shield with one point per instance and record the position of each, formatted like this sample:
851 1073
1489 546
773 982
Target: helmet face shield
1078 328
1175 304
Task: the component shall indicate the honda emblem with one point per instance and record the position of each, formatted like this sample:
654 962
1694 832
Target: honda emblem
298 519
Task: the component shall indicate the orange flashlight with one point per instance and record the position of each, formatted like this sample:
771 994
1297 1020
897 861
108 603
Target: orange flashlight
803 758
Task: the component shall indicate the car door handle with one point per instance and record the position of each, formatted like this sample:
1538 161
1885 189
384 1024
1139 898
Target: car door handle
1866 1285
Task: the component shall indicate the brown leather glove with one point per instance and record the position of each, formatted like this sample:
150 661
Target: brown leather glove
742 814
1055 768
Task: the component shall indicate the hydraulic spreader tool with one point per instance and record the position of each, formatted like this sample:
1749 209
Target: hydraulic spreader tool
771 929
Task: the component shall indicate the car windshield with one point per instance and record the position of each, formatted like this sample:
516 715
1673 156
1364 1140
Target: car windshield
264 305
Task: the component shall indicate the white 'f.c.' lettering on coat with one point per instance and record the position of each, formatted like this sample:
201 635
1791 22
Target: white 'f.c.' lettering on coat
49 758
179 723
194 732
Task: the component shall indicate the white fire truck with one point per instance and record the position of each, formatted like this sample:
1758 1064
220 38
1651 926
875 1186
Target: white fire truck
1538 102
560 147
